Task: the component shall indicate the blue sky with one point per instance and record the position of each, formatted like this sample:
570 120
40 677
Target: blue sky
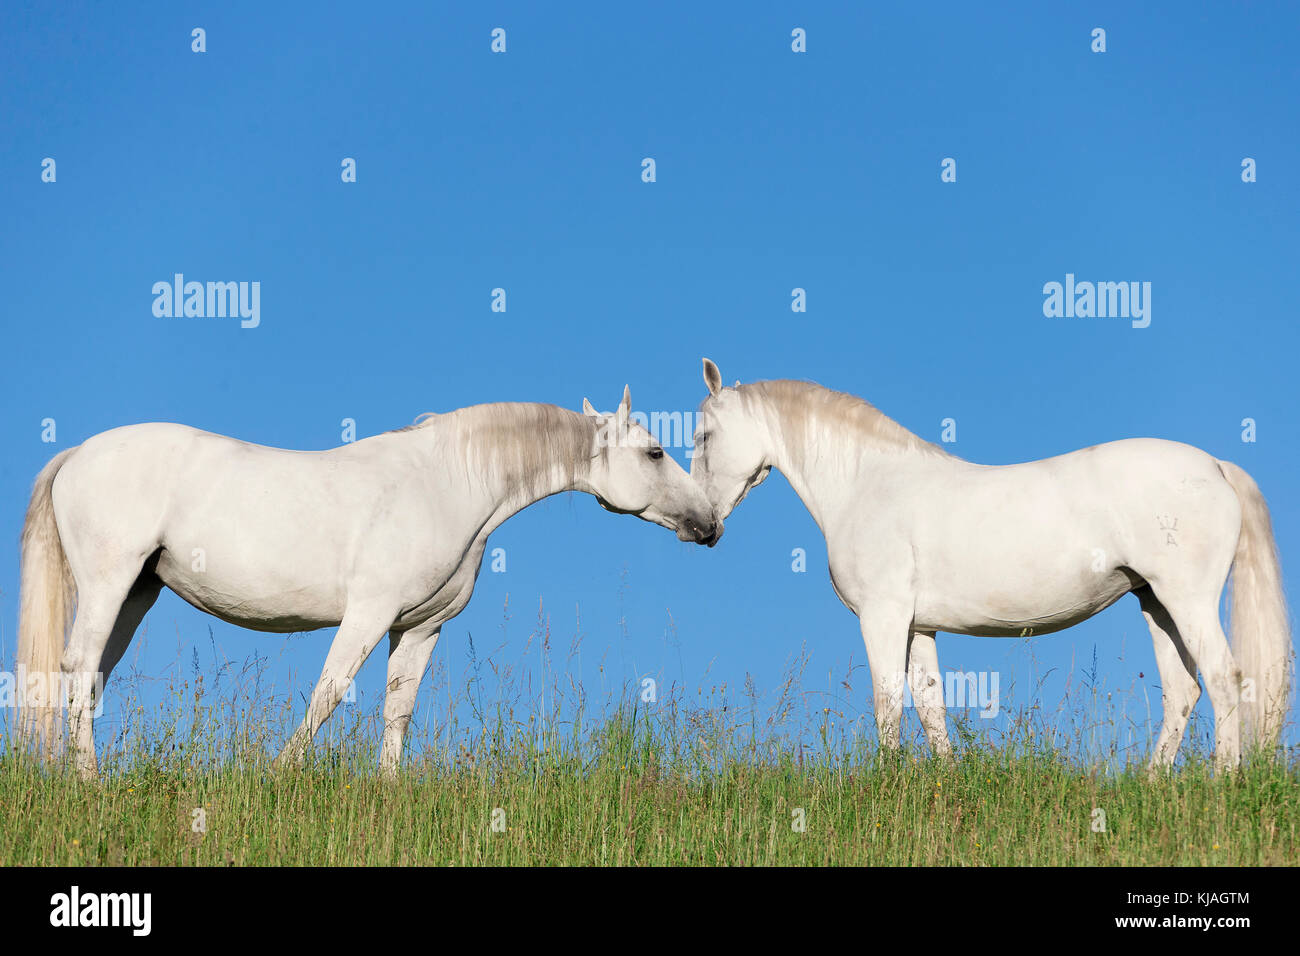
775 170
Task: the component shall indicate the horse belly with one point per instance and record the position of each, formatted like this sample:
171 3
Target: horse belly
1005 611
243 596
1017 585
265 565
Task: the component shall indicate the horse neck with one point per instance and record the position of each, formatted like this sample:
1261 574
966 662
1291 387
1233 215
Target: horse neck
516 492
836 476
535 460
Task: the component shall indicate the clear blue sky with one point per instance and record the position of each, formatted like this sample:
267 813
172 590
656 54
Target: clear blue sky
775 170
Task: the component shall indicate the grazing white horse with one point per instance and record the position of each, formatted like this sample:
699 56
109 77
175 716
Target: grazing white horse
920 541
383 535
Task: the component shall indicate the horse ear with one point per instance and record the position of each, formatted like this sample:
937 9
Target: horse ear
712 377
587 409
625 406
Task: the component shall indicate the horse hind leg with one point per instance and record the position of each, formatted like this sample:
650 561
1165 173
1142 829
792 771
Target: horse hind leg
1179 687
1195 614
142 596
100 605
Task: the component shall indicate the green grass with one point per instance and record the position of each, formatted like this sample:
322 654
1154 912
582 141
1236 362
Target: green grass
709 778
625 801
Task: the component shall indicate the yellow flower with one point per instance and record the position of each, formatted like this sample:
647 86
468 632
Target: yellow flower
1216 846
76 843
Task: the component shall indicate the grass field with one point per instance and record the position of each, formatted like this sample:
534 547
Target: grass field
693 779
625 798
628 806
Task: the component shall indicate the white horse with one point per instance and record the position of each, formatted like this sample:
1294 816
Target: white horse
920 541
383 535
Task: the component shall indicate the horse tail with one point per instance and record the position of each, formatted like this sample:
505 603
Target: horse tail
47 594
1261 631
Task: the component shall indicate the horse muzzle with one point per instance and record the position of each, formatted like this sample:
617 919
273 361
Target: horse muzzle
701 532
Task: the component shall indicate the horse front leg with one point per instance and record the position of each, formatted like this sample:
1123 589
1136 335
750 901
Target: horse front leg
927 691
408 656
886 628
358 634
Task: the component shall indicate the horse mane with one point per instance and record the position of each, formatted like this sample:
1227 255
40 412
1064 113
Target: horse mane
520 442
809 413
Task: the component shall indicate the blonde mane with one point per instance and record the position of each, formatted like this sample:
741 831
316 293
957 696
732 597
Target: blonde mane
518 442
810 414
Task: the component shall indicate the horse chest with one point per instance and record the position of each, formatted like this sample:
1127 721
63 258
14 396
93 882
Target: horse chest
451 596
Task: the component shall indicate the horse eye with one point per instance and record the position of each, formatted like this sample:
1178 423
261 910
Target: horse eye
656 453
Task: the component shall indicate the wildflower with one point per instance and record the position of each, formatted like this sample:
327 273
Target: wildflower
76 842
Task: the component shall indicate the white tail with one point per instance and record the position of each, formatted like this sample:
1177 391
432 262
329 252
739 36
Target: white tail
1260 629
46 597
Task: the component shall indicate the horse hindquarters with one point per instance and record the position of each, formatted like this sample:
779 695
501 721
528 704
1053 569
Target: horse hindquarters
1184 556
103 526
